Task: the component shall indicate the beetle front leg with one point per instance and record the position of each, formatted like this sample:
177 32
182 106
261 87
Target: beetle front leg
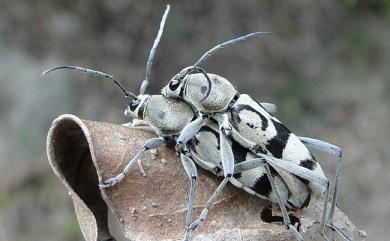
190 131
140 125
150 144
190 168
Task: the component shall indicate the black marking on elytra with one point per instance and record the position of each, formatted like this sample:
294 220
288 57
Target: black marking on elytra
235 113
277 144
240 153
275 147
266 216
262 186
251 125
216 134
308 163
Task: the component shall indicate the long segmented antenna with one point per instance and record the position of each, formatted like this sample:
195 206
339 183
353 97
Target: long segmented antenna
215 49
227 43
149 63
95 72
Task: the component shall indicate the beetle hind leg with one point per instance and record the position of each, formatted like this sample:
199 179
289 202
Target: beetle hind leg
339 231
286 218
336 151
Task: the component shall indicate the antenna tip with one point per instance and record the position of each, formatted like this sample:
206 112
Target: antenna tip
263 33
45 72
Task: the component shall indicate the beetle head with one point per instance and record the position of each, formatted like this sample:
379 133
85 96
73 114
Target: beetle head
177 85
136 108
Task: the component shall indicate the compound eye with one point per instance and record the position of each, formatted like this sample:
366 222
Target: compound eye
174 84
134 103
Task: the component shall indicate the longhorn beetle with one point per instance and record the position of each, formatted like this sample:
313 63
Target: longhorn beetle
250 124
203 148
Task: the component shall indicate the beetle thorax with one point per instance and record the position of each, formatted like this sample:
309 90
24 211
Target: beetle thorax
167 116
221 93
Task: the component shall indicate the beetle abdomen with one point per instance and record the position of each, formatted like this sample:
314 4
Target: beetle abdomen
205 148
255 124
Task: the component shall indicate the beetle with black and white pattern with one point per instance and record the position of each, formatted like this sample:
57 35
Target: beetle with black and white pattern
252 125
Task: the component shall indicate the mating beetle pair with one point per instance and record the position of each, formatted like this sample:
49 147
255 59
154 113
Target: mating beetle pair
231 135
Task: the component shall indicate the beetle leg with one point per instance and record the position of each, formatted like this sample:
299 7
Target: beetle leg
303 173
338 152
192 173
150 144
249 164
271 108
228 168
286 218
190 131
208 205
331 149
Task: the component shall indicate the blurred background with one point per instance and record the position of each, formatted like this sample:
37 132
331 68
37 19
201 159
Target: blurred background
326 66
